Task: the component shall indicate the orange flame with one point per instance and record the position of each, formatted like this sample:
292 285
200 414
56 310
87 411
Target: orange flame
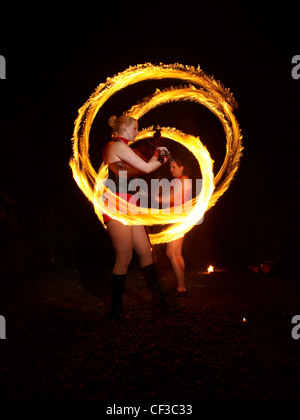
203 90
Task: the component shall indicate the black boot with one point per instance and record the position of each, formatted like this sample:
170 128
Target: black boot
151 279
117 284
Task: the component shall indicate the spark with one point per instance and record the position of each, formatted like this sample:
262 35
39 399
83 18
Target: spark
210 269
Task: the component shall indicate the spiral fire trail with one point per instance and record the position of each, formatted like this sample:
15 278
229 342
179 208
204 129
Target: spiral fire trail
201 89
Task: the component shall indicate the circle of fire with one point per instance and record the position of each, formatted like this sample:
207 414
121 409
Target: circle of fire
202 89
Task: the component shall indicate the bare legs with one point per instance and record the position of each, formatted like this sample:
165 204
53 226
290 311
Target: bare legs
174 253
124 240
121 237
142 246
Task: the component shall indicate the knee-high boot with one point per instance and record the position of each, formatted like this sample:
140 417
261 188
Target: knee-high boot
151 279
117 284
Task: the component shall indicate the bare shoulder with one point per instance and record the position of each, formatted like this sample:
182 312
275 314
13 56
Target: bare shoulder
116 146
109 150
110 144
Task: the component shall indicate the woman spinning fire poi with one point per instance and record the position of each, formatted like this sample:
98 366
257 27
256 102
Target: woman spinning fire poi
121 158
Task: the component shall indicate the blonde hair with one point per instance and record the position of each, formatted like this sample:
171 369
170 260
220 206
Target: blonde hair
116 123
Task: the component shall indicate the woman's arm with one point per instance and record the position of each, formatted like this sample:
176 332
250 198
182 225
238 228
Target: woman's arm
126 154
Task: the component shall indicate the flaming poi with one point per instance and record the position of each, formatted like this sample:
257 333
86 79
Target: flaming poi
200 88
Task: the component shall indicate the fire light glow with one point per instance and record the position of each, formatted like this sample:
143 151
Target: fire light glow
201 89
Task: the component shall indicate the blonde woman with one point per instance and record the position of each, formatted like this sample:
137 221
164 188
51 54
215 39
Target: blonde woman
121 159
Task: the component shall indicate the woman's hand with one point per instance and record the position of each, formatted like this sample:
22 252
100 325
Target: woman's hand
162 154
163 151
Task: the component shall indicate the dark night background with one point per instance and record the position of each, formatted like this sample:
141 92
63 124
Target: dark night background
56 55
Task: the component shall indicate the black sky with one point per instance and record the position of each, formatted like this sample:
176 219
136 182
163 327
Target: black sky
58 52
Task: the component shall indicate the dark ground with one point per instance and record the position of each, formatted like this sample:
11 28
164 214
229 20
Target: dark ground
60 346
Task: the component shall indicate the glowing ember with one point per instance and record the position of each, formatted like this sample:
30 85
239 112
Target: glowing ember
210 269
202 89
